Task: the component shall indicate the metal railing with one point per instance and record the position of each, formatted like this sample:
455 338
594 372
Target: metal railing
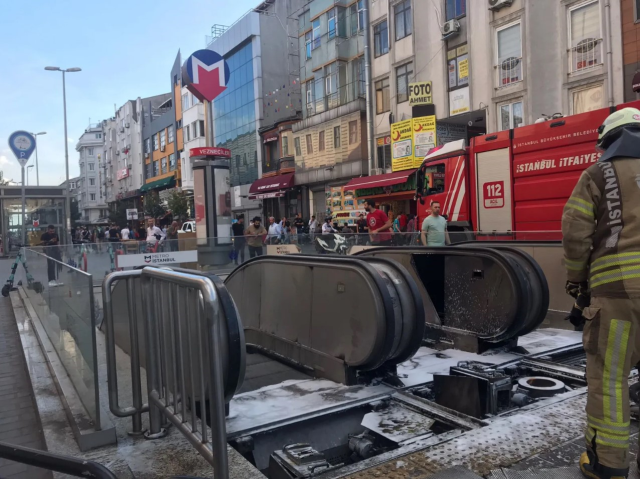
586 55
181 316
509 71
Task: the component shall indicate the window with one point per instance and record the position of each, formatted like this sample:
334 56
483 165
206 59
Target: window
194 130
309 145
91 166
511 116
585 39
317 36
308 37
509 55
201 124
434 179
147 146
402 82
353 132
456 9
321 141
359 76
171 134
383 99
319 95
148 170
98 135
309 88
332 22
383 151
186 133
356 12
172 161
636 10
360 15
402 12
331 84
185 101
156 171
164 165
90 151
194 100
587 99
458 66
154 138
92 196
296 145
163 139
285 146
336 137
381 39
92 181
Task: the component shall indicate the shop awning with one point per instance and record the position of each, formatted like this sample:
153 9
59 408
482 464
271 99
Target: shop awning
273 187
167 182
380 181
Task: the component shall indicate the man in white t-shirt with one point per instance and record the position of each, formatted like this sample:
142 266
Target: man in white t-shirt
153 232
124 234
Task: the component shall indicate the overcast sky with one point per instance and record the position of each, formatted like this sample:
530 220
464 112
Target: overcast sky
125 48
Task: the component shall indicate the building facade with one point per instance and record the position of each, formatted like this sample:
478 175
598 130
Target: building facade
263 89
630 24
92 204
194 127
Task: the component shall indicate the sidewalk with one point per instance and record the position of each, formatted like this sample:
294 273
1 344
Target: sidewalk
19 420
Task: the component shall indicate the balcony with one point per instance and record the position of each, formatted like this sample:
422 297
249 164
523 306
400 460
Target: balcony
585 56
509 72
340 96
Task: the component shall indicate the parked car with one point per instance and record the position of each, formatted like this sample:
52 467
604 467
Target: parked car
188 227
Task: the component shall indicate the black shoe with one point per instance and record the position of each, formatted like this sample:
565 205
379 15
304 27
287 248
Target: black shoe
592 470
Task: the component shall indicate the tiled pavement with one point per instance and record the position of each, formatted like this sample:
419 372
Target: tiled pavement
19 421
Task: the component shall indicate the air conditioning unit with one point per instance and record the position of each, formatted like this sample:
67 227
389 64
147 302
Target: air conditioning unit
126 125
129 166
498 4
121 129
117 152
450 28
162 148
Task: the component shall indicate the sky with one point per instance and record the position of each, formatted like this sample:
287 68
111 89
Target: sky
126 49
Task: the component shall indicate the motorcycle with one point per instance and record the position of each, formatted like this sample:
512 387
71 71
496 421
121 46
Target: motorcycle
332 244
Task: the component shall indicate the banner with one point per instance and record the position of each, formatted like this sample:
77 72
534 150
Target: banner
424 137
420 93
402 145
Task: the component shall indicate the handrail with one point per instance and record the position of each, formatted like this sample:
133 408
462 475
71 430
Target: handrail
55 462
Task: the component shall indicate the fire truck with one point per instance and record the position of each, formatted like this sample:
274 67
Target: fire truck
511 184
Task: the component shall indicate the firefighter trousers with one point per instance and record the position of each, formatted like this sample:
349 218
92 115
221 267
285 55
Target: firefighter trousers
612 343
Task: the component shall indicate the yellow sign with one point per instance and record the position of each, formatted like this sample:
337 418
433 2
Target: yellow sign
402 145
424 137
420 93
463 50
463 68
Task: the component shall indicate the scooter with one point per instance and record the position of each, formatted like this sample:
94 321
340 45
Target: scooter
332 244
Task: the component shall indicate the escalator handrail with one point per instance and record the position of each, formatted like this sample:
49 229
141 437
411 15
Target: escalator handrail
55 462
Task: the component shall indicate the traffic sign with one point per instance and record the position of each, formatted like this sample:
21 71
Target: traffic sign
22 143
132 214
205 74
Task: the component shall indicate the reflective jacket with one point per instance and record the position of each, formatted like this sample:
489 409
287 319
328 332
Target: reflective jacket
601 228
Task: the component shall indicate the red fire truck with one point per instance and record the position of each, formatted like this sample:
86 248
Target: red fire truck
512 184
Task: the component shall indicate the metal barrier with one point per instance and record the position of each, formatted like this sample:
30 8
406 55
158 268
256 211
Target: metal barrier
181 315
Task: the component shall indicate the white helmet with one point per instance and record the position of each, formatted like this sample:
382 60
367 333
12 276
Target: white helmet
611 128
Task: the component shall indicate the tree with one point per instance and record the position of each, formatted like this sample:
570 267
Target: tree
118 213
153 207
2 180
75 212
178 205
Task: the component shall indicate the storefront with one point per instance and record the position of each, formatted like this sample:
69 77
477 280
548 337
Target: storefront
278 195
392 191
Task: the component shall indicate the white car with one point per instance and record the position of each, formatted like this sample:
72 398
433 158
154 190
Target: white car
188 227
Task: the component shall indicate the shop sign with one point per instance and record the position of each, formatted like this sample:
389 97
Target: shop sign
420 93
459 101
123 173
447 132
132 214
424 137
402 145
271 137
385 140
410 185
132 260
209 151
283 249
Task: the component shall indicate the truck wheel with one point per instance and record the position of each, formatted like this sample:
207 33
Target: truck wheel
5 290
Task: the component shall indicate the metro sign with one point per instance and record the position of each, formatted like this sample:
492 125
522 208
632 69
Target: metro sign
205 74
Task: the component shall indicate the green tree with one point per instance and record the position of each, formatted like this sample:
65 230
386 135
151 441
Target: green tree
178 205
75 212
2 180
153 207
118 213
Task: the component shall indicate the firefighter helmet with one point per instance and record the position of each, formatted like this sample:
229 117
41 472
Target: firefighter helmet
611 128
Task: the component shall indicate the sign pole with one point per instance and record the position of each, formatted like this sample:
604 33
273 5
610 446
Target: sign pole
24 232
22 143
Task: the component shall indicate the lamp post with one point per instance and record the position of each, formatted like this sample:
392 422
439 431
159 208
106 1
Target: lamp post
35 135
66 145
30 166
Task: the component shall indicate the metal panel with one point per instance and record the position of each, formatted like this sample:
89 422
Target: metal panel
493 166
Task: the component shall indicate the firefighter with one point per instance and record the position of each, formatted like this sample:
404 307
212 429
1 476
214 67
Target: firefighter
601 240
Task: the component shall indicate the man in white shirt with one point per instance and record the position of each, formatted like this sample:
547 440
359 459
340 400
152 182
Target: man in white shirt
153 232
327 228
275 231
124 234
313 224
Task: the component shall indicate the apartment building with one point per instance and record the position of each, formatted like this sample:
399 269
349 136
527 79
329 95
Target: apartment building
262 53
194 136
630 17
92 205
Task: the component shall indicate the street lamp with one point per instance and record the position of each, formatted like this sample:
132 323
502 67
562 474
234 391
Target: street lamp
66 146
30 166
35 135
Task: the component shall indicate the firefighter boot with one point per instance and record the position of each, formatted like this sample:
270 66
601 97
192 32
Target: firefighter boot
591 469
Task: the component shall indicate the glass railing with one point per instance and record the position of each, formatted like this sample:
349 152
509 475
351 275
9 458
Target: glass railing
62 297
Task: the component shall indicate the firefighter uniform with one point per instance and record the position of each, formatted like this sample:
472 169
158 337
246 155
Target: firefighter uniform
601 240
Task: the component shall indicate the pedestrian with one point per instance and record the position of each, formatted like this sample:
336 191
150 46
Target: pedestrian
100 238
600 225
153 233
313 224
327 228
239 240
114 234
379 224
286 231
172 236
254 234
51 241
125 233
299 224
434 228
363 229
411 228
275 231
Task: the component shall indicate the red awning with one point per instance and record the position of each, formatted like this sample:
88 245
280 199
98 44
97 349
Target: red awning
270 187
379 181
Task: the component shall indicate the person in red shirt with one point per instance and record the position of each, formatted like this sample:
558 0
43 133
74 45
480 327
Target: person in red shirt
379 224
